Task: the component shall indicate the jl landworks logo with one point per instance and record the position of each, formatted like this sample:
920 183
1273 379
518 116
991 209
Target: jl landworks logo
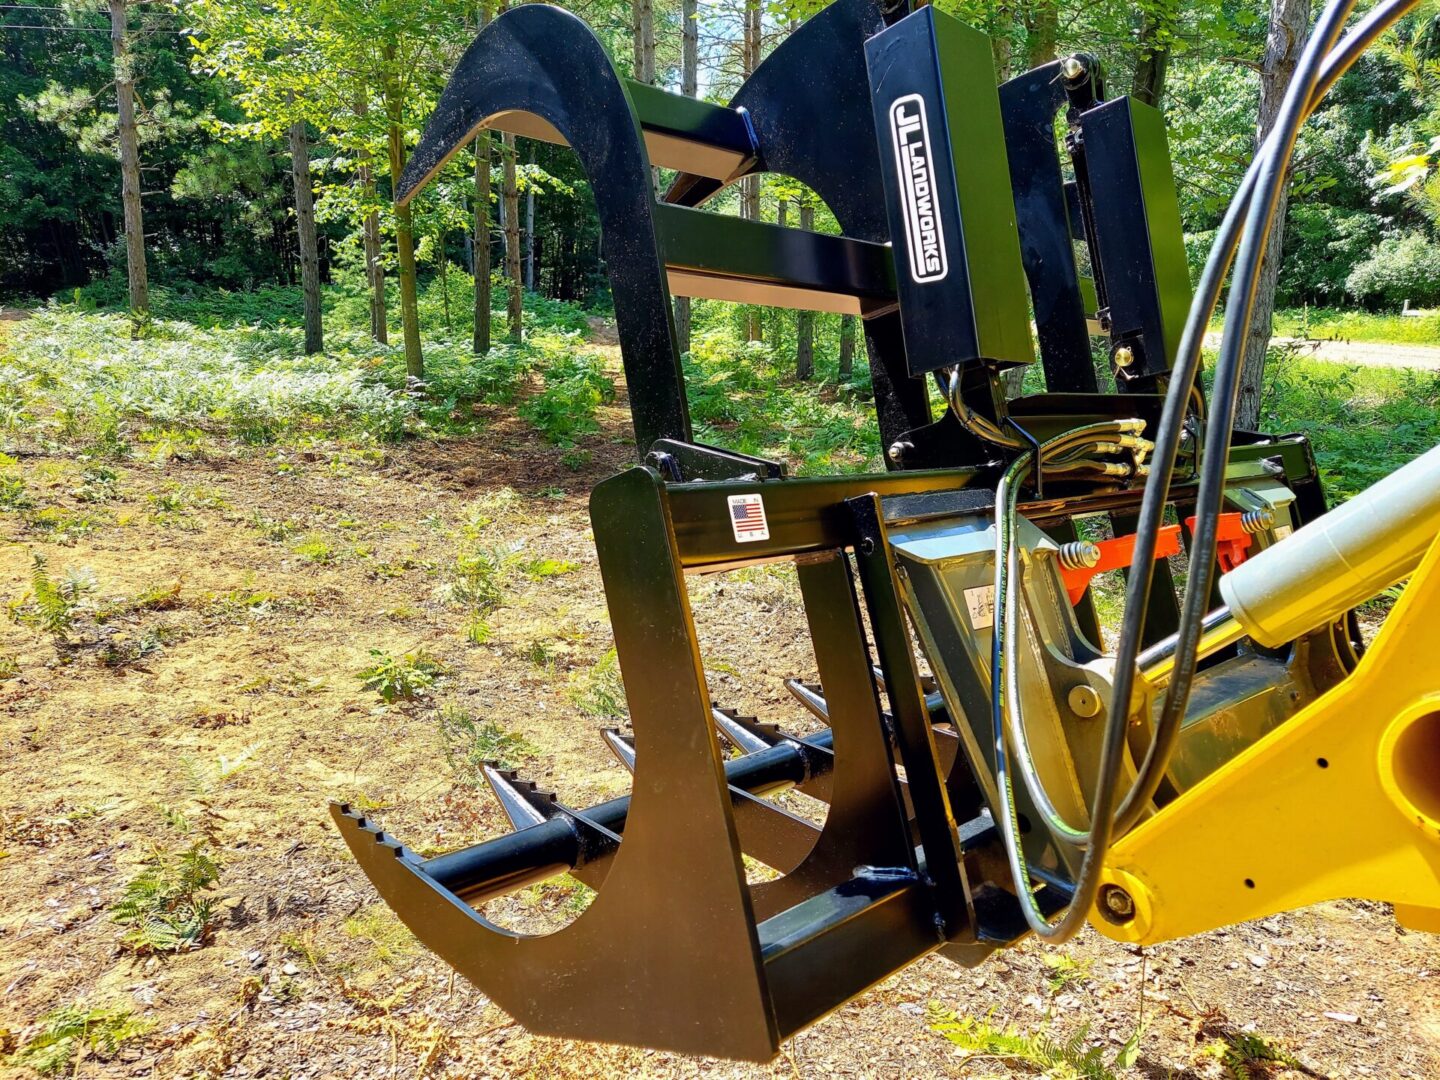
914 159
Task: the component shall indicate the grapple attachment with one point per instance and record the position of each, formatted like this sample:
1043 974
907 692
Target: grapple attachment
952 201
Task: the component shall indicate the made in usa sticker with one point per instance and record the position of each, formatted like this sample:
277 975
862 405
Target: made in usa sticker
747 518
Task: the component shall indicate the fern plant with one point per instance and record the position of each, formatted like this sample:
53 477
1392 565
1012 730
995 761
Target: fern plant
400 678
51 605
66 1030
1067 1060
1246 1055
164 906
469 742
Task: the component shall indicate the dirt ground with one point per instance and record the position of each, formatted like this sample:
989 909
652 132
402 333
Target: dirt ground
263 580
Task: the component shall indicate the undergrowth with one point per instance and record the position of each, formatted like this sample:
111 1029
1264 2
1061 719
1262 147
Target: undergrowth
400 678
51 605
166 907
599 691
1070 1059
470 742
78 1030
1364 422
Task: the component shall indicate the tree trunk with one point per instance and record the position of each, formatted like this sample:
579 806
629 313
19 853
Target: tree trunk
1042 27
404 229
1000 44
1154 55
480 250
480 258
689 86
530 229
305 235
135 272
805 320
511 216
847 347
750 185
642 22
444 275
370 236
1289 27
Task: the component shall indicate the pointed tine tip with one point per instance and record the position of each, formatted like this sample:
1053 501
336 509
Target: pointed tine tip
523 804
741 735
811 696
621 745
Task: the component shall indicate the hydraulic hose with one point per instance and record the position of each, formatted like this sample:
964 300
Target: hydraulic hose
1167 439
1320 66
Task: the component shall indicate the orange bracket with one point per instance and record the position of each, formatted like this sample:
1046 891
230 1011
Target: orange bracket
1232 542
1117 554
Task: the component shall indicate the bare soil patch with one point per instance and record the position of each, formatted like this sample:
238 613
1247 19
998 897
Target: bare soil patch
284 571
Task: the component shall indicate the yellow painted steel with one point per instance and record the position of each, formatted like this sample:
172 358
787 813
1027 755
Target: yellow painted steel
1343 800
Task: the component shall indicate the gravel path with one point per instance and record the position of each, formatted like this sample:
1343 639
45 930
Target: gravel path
1368 353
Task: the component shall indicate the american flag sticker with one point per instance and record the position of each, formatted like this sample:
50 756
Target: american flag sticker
747 518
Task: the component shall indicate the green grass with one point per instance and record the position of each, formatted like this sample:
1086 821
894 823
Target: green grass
1364 422
1335 324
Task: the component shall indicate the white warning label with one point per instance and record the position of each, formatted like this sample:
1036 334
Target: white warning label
980 602
747 518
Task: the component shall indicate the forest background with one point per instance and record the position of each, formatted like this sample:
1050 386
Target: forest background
233 159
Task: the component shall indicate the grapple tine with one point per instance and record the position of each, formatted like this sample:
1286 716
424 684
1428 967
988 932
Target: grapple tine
747 733
621 745
522 800
811 696
526 805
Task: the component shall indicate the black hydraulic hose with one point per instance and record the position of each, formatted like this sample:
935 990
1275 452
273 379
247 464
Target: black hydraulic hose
1315 73
1270 183
1167 439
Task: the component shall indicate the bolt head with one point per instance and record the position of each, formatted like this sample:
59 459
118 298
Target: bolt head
1124 356
1117 905
1072 67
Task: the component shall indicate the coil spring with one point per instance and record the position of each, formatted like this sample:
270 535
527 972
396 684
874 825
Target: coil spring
1078 555
1257 520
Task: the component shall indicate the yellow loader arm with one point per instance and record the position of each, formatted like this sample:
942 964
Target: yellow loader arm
1341 801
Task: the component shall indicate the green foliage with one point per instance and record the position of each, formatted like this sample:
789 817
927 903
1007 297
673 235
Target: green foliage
1068 1060
1364 421
744 397
83 377
1323 245
575 387
1401 268
402 678
165 906
51 605
70 1029
1248 1055
470 742
13 493
600 692
477 579
1064 971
